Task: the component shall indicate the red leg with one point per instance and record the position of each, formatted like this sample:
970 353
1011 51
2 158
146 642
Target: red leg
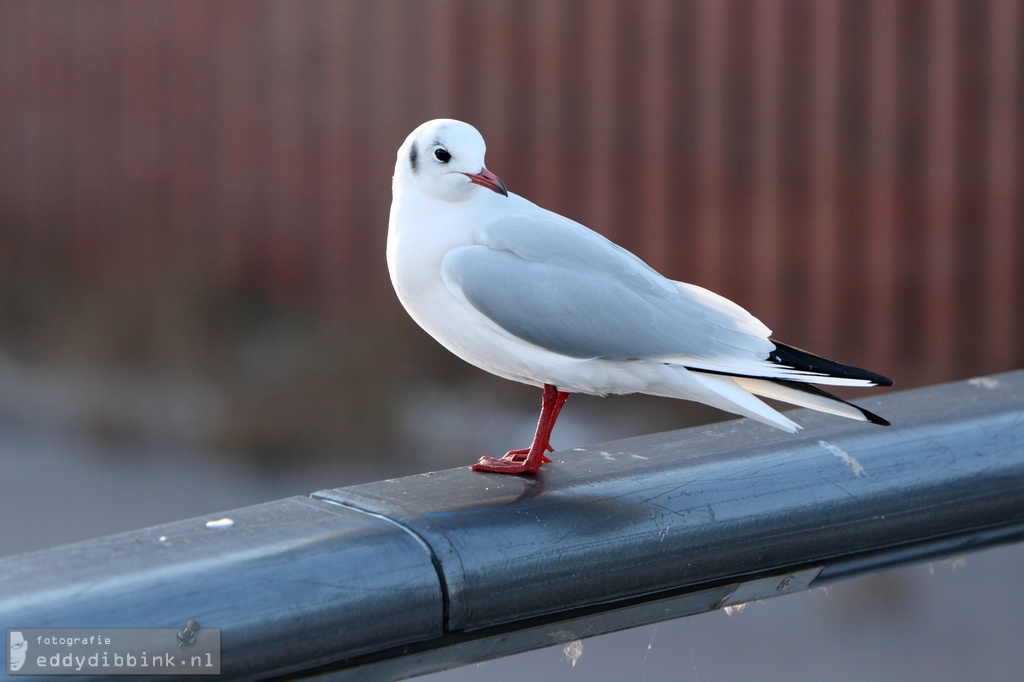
528 460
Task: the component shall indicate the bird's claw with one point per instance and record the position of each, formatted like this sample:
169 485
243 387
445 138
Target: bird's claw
520 455
500 465
514 462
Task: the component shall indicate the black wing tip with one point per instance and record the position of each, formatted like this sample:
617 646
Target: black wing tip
817 390
872 417
798 358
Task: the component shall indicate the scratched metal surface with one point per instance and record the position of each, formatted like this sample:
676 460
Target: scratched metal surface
405 576
290 584
694 507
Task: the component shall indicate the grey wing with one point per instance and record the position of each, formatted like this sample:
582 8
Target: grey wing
565 288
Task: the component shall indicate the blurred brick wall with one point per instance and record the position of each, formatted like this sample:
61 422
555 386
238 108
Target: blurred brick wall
849 170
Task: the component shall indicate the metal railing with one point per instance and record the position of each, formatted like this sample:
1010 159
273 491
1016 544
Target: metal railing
406 576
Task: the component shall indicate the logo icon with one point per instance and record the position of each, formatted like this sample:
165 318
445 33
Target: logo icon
188 635
19 649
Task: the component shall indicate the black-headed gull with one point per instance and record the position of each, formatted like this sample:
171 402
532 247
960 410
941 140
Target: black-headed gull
534 297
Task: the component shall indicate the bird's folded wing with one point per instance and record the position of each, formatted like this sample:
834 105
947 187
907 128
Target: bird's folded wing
562 287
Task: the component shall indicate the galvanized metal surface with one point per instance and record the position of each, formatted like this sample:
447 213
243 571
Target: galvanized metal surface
410 575
290 584
690 518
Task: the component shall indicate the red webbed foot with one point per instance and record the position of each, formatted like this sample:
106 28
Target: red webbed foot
529 460
521 454
508 465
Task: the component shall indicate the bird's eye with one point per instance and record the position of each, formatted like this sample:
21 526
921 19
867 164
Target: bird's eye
442 155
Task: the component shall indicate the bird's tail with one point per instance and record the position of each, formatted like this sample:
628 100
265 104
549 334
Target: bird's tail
795 389
806 395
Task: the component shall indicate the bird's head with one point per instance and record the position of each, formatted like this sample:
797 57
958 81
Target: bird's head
445 159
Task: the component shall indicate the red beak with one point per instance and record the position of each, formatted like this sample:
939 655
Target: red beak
486 178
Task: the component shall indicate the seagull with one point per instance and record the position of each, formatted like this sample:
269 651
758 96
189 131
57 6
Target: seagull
537 298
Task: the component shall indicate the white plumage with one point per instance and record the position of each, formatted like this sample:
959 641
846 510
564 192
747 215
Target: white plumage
534 297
